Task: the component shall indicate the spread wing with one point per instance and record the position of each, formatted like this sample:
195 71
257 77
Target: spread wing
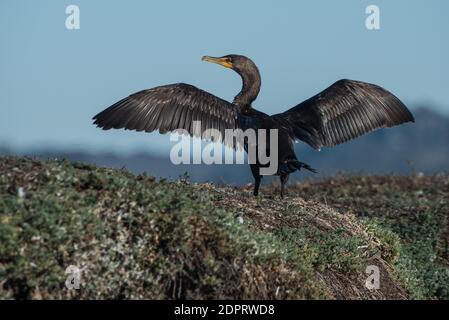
344 111
168 108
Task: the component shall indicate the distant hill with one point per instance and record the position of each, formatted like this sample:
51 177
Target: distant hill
422 146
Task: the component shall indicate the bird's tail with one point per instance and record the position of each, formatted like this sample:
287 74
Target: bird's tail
292 165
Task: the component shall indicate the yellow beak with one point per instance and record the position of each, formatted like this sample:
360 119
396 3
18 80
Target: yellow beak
225 62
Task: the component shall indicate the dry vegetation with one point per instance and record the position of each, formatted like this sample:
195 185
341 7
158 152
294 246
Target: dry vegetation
135 237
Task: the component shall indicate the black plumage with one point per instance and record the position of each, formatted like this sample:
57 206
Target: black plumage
167 108
345 110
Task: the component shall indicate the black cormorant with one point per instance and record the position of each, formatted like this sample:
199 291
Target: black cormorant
345 110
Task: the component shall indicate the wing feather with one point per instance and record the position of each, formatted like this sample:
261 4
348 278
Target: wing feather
344 111
168 108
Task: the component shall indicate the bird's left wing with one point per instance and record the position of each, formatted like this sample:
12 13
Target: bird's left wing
168 108
345 110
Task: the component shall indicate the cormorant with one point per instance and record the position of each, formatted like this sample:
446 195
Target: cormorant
345 110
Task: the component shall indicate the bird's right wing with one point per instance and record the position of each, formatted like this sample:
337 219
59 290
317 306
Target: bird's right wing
168 108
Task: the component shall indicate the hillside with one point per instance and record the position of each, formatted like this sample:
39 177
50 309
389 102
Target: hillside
136 237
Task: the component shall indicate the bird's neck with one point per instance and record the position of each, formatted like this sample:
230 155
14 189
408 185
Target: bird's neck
250 89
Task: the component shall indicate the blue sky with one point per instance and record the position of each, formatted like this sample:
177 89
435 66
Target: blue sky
52 80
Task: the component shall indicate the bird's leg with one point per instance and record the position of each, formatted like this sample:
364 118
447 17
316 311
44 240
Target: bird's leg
255 170
256 185
284 179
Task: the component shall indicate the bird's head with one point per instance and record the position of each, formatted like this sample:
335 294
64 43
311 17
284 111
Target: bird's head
247 69
238 63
